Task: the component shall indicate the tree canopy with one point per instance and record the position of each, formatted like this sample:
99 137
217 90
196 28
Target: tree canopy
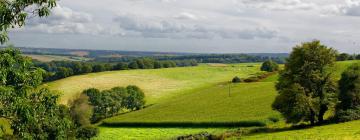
14 13
32 112
306 87
349 88
269 66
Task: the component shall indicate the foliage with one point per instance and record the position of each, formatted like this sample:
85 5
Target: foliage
33 112
269 66
236 80
87 132
81 111
62 69
343 57
13 13
306 87
349 94
108 103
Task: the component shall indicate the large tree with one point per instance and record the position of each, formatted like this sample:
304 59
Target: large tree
306 88
32 111
14 13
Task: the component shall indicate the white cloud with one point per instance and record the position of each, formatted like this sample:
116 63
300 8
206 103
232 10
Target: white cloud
63 20
186 16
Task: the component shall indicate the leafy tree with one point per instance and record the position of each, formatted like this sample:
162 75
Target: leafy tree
343 57
86 68
121 66
32 111
63 72
349 88
108 103
133 65
269 66
157 65
306 88
135 100
99 68
13 13
358 57
81 111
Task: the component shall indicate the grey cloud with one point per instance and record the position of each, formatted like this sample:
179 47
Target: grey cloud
161 28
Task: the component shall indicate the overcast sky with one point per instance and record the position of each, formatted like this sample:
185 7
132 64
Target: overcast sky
209 26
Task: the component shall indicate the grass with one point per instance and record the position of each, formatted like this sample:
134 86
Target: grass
110 133
344 131
247 102
156 83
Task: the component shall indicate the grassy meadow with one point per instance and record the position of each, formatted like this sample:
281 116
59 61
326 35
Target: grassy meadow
156 83
199 95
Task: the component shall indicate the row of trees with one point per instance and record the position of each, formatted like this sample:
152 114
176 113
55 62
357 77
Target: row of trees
345 56
62 69
307 88
204 58
108 103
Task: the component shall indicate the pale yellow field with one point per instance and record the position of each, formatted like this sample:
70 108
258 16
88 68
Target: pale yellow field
156 83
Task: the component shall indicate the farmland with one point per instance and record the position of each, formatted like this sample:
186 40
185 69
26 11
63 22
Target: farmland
193 94
156 83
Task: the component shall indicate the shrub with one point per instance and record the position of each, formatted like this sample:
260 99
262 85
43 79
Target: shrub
87 132
236 80
273 119
81 111
349 87
348 115
252 79
269 66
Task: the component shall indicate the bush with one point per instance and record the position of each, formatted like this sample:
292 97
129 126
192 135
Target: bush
274 119
269 66
252 79
348 115
81 111
200 136
87 132
236 80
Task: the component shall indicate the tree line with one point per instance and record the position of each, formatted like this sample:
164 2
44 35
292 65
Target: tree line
203 58
307 88
108 103
346 56
62 69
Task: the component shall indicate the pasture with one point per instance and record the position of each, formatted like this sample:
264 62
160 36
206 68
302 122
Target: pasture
199 95
156 83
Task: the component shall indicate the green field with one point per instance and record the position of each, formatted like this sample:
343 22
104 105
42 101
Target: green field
342 131
156 83
200 95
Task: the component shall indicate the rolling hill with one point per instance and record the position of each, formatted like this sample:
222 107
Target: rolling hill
197 95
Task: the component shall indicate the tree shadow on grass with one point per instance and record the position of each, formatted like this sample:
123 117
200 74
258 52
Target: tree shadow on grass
260 130
185 124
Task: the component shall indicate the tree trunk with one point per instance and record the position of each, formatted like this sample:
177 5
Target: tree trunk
312 117
323 109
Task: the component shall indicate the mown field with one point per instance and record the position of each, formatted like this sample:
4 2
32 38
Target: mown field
49 58
156 83
200 94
